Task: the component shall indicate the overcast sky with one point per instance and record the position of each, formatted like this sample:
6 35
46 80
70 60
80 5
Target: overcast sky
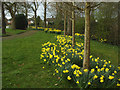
40 12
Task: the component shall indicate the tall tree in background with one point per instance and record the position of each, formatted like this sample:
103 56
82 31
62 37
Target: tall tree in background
11 7
3 20
35 8
45 5
64 23
86 62
27 8
73 26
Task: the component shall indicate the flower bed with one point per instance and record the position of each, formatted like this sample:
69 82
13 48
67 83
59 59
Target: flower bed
50 30
68 63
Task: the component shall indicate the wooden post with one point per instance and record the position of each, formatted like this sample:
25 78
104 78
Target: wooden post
86 63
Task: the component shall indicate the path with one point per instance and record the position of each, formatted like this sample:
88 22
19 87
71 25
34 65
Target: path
28 33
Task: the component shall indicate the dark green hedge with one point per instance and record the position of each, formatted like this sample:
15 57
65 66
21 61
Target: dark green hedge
21 21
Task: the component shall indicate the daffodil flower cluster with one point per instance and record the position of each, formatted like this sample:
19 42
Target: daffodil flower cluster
68 62
57 31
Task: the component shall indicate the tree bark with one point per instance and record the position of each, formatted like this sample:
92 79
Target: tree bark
13 23
69 31
26 9
45 14
35 19
73 27
3 20
86 61
64 23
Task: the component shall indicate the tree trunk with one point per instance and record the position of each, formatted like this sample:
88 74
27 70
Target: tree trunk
69 31
73 27
64 23
68 25
35 19
26 10
13 23
3 20
45 14
86 63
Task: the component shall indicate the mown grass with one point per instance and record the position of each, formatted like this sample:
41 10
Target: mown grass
22 67
10 32
104 51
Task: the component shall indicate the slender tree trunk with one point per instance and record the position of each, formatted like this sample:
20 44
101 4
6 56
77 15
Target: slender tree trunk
45 14
35 19
13 23
69 28
73 27
68 25
3 20
26 10
86 63
64 23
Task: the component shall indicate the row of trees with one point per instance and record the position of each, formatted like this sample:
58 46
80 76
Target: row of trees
102 25
26 8
104 20
69 15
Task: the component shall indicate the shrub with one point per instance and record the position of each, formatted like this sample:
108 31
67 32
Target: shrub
21 21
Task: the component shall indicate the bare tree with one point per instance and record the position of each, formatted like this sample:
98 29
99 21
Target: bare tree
11 7
35 7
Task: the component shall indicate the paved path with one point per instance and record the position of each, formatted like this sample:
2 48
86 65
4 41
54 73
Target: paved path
25 34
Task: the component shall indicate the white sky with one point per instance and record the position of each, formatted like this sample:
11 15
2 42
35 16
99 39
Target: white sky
40 12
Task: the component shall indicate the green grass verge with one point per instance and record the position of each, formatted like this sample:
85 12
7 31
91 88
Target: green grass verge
10 32
104 51
22 67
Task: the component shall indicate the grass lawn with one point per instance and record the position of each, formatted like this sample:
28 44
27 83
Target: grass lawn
22 67
104 51
10 32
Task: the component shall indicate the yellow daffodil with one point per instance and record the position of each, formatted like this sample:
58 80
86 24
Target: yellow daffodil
119 67
101 80
98 70
111 77
44 60
118 84
89 83
96 66
85 70
77 82
115 71
106 69
77 75
63 63
95 77
92 70
69 78
113 74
